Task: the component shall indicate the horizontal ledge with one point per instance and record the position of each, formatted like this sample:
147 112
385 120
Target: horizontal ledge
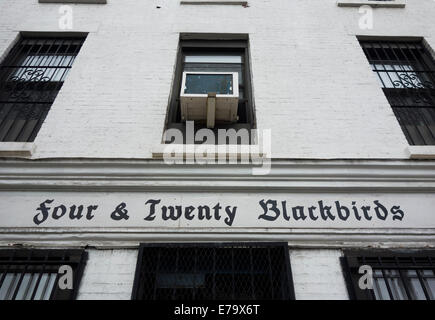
215 2
16 149
421 152
372 3
296 238
75 1
192 151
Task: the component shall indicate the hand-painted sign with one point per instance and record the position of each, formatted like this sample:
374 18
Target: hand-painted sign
215 210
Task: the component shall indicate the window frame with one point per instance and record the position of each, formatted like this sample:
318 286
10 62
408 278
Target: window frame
205 43
350 265
214 245
76 258
406 99
14 60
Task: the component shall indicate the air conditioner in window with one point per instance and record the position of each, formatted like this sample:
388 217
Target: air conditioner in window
209 97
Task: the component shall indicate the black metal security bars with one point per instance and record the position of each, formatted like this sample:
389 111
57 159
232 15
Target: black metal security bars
241 271
406 71
396 276
30 78
34 274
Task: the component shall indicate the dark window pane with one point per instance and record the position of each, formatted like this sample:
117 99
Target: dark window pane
30 78
406 72
213 272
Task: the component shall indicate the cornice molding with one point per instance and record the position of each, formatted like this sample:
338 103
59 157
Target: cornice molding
297 238
149 175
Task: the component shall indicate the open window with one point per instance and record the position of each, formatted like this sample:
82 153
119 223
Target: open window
212 85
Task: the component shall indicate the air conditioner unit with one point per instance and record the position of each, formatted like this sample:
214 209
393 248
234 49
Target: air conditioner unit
209 97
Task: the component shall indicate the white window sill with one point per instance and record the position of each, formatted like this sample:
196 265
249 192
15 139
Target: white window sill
75 1
192 151
214 2
378 4
421 152
17 149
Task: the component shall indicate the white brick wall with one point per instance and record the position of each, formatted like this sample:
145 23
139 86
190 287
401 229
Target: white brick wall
109 274
317 275
312 83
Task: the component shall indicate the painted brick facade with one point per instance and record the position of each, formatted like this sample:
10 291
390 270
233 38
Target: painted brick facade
108 275
306 64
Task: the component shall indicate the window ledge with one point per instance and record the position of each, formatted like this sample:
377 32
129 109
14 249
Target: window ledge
75 1
372 3
215 2
190 151
421 152
17 149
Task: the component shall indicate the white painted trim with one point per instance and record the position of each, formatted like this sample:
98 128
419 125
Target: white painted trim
421 152
376 4
141 175
17 149
75 1
297 238
188 151
214 2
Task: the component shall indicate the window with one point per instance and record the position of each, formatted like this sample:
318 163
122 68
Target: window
213 271
30 78
406 72
396 276
33 274
213 65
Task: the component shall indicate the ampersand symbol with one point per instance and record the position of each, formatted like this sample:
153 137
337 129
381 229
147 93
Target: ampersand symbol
120 212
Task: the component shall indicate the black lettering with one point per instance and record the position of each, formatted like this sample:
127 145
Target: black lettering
355 211
325 211
202 215
397 213
284 210
216 209
62 209
380 210
311 213
366 210
120 212
89 214
43 214
231 214
73 215
340 210
301 215
188 211
172 211
151 216
266 210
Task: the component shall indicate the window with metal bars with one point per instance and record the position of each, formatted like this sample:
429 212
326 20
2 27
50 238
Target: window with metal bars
213 56
406 72
396 275
34 274
31 76
237 271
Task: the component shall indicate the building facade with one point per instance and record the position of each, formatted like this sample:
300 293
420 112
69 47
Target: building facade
337 175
